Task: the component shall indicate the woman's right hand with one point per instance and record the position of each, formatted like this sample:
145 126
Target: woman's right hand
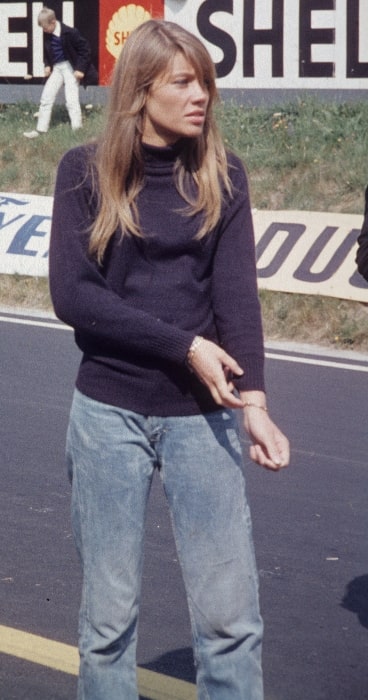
214 367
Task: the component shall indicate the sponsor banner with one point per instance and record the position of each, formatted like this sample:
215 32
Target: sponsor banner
255 44
288 44
309 253
25 222
21 39
116 21
297 251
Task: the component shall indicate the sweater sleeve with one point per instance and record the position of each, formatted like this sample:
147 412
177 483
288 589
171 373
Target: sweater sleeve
362 252
79 291
235 294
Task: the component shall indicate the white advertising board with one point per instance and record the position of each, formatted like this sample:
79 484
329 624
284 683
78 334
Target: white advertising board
297 251
288 44
256 44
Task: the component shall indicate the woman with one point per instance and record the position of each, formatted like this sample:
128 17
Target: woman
152 262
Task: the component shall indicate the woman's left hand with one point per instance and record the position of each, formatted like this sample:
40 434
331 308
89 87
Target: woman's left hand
270 447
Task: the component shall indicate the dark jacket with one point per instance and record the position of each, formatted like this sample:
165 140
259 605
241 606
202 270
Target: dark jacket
77 51
362 253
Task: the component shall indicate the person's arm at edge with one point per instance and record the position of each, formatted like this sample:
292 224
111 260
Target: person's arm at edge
362 252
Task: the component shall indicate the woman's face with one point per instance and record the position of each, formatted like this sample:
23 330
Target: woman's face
176 105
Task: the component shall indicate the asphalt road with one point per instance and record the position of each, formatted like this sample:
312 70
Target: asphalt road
310 527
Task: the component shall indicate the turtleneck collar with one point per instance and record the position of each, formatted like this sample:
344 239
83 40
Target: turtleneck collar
163 154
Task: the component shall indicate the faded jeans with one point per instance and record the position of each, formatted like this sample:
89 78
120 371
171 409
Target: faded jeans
112 454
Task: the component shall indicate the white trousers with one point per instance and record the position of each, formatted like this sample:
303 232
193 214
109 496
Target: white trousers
62 74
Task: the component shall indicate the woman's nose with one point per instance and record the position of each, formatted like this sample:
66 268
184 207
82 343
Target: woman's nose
200 94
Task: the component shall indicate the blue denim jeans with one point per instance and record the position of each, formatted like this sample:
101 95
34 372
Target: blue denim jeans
112 454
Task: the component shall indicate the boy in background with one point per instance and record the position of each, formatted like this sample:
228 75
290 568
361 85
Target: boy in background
67 57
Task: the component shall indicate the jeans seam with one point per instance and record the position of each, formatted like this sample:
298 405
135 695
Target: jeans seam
195 636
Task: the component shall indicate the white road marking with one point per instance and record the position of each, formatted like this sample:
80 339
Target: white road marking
360 365
33 322
319 362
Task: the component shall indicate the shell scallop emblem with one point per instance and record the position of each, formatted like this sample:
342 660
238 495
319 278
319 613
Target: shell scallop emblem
122 24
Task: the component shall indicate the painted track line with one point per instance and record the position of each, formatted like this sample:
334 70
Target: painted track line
35 322
295 356
65 658
337 364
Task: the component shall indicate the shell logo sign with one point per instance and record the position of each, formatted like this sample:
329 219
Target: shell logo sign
117 20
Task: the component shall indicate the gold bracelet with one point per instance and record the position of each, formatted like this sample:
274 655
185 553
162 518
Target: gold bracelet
255 405
191 352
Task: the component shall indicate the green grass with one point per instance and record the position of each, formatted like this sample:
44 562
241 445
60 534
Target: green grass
338 323
306 155
29 165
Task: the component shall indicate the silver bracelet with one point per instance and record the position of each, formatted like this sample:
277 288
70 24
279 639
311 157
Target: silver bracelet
255 405
194 346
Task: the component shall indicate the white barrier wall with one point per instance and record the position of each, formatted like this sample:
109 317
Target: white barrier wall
281 44
297 251
261 45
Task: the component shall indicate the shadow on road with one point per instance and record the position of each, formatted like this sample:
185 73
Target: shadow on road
356 598
178 664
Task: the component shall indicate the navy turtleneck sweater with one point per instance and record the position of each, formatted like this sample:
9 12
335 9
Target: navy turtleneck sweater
136 316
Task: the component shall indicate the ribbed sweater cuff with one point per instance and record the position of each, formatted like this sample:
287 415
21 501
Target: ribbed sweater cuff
174 348
253 377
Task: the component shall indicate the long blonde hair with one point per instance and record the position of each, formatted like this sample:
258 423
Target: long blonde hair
147 53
